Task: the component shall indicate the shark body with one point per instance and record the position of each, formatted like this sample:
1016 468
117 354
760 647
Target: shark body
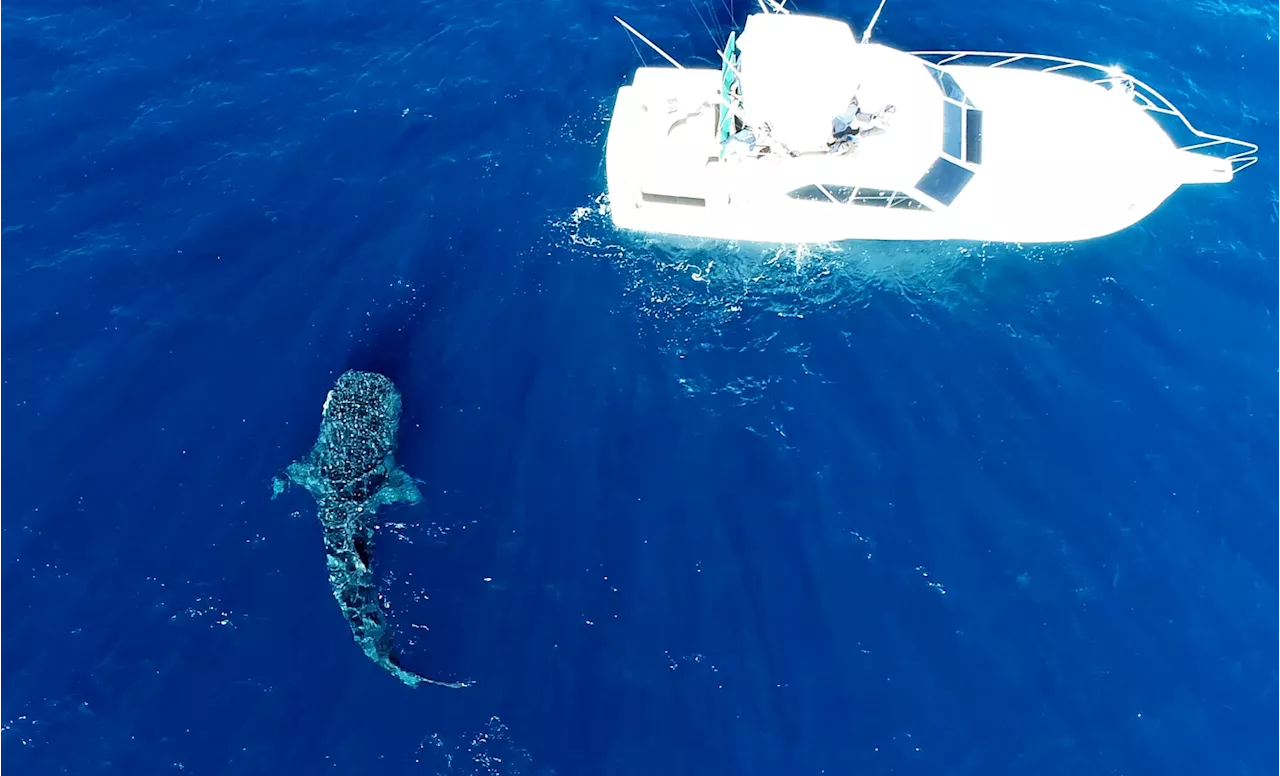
352 472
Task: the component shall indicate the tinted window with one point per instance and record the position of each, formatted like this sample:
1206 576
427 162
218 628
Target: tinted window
841 193
878 197
951 132
947 84
944 180
886 198
667 199
848 195
973 136
907 203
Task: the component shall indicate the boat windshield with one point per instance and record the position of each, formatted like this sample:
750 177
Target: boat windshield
948 84
961 140
944 180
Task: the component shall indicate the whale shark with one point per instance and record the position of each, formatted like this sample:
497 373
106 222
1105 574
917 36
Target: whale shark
351 472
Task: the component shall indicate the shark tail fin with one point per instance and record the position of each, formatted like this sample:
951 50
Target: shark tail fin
413 680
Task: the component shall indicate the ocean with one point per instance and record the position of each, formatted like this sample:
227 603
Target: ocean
691 508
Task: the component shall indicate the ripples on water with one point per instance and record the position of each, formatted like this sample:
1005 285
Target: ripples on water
702 284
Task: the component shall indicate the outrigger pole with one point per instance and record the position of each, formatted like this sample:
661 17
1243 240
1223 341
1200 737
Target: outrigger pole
866 34
649 43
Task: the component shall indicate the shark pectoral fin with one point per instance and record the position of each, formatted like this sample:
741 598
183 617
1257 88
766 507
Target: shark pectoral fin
278 485
303 473
399 488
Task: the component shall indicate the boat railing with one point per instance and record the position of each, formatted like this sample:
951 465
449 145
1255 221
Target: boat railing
1239 153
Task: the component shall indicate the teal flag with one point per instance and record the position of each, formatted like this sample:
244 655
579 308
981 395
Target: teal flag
727 78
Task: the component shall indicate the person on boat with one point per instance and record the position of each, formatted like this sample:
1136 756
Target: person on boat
742 143
855 120
751 141
881 120
764 139
846 127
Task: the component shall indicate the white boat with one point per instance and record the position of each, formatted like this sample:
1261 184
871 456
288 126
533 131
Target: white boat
970 145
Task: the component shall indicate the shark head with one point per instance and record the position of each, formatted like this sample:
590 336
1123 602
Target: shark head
353 459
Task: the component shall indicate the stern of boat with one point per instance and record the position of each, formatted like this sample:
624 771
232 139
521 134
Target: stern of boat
623 152
661 138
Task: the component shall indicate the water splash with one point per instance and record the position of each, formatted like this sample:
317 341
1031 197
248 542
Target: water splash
746 323
706 283
487 752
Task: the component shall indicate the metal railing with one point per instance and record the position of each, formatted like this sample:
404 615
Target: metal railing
1238 153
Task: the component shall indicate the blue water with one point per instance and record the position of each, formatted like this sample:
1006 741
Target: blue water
688 510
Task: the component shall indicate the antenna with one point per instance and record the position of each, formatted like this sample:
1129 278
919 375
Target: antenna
649 43
866 34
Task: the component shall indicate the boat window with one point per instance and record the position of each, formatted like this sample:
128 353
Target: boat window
808 192
944 180
814 193
973 136
885 198
850 195
952 132
668 199
904 202
947 83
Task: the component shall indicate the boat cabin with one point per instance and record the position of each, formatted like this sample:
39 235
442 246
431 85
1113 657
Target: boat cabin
791 83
